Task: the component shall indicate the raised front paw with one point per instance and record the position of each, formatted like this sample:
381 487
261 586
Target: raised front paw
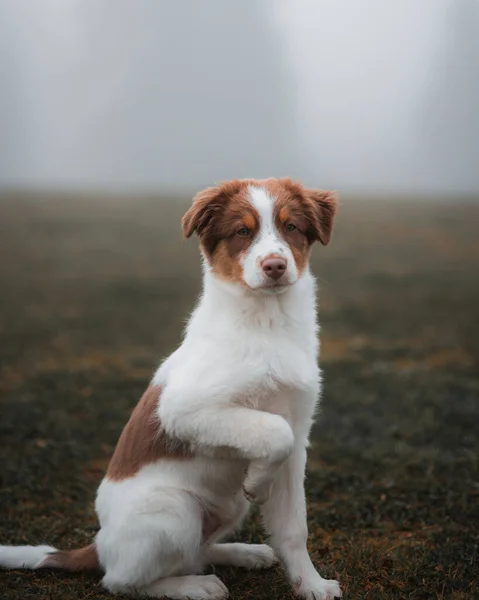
318 588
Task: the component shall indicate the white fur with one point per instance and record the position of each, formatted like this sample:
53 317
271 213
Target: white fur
23 557
241 390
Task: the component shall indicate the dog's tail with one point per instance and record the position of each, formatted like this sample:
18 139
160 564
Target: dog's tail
46 557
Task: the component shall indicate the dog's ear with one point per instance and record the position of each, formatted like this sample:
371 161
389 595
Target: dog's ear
205 204
319 208
324 205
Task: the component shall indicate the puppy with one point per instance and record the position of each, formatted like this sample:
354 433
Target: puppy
225 420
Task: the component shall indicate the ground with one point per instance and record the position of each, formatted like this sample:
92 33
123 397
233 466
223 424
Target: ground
94 292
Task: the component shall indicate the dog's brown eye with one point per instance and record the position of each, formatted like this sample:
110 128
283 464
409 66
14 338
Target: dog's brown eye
290 227
243 232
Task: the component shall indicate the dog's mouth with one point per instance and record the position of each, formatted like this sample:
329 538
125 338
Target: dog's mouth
276 287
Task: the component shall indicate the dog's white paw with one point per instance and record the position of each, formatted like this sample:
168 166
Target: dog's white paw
318 588
195 587
257 556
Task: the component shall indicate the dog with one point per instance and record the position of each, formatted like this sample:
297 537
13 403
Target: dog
226 418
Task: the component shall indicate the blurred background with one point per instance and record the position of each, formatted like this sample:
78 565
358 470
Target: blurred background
112 114
366 97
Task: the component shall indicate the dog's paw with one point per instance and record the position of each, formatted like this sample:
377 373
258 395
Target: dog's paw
188 587
318 588
256 556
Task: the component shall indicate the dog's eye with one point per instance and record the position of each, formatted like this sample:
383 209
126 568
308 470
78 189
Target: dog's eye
290 227
243 232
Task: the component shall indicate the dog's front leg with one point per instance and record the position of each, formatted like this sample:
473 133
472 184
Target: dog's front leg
216 425
284 516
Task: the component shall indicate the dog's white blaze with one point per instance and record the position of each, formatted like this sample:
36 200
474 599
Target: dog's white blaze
268 242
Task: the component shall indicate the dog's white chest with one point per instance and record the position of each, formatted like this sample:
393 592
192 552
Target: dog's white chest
285 377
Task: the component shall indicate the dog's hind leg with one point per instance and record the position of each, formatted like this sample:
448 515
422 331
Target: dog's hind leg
154 549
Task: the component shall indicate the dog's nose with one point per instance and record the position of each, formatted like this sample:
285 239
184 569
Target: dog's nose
274 267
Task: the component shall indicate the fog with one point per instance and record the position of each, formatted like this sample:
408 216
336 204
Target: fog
365 97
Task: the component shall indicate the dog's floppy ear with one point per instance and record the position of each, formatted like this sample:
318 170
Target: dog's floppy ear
324 205
205 204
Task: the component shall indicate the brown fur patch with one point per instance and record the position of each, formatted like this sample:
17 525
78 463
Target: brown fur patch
217 214
82 559
300 248
225 260
207 211
284 215
249 221
315 208
143 441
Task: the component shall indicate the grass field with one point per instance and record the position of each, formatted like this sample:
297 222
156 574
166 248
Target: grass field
94 292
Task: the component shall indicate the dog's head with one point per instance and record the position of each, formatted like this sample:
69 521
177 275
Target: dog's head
258 233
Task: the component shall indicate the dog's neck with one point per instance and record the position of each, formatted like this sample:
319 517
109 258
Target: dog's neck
231 305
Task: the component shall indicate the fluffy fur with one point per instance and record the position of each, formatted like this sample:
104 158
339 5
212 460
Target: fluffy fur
226 418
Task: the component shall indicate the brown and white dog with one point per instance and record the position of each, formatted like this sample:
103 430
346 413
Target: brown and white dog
226 419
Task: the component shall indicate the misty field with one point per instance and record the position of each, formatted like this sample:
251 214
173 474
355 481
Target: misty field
95 291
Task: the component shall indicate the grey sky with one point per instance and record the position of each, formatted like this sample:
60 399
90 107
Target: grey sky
358 96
